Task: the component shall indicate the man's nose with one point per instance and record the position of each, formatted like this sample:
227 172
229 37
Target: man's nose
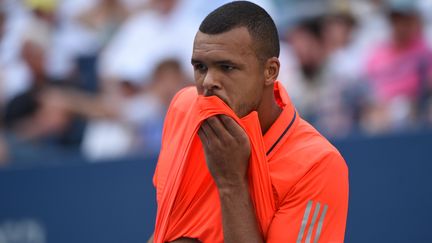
211 84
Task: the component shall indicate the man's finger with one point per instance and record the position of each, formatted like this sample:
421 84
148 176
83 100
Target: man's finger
232 126
203 137
219 129
211 137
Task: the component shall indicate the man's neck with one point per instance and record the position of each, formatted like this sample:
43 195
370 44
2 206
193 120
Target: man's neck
268 112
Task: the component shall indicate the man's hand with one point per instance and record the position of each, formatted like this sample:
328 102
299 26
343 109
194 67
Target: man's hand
227 151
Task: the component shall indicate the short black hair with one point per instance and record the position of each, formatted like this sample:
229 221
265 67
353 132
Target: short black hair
258 22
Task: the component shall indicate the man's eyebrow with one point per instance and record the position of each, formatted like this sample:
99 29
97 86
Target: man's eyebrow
195 61
220 62
225 62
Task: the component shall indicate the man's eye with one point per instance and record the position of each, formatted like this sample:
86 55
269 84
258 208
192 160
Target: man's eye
200 67
227 67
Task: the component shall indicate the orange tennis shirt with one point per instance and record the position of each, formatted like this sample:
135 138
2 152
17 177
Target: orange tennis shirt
298 180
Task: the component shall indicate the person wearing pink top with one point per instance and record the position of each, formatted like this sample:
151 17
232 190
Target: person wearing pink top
399 66
399 72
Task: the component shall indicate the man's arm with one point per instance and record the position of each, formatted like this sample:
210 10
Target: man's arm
238 215
227 151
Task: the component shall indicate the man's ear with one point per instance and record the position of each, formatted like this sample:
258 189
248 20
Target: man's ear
271 71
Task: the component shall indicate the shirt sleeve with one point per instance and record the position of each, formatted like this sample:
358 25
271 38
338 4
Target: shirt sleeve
315 209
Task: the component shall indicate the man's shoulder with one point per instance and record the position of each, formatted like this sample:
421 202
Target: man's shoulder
307 143
303 151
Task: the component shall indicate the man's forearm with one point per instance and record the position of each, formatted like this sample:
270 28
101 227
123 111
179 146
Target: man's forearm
238 215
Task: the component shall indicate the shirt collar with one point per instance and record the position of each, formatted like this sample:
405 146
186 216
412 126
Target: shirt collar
284 124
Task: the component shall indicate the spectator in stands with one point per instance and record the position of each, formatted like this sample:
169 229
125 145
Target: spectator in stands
104 18
306 41
127 118
24 47
168 79
339 91
35 45
103 21
399 72
147 38
15 77
337 31
139 113
33 126
318 92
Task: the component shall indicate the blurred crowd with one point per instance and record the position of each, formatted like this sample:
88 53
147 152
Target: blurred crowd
92 79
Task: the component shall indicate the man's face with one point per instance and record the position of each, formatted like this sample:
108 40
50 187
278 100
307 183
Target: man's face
226 65
405 27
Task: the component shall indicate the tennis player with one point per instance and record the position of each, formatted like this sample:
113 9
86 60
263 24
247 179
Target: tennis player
238 163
